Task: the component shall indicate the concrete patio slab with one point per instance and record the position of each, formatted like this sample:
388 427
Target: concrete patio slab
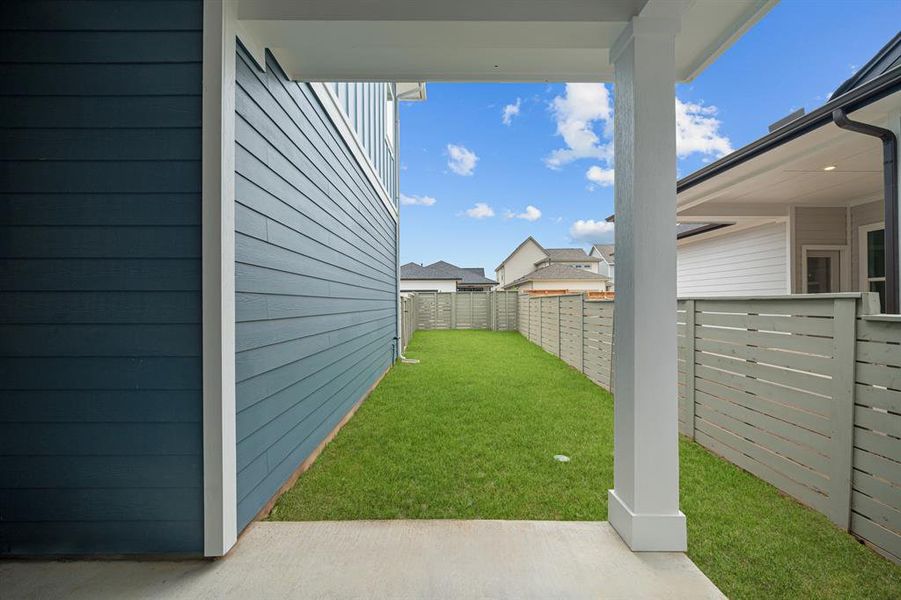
385 559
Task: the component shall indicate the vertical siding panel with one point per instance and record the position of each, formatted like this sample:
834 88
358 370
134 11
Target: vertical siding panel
100 342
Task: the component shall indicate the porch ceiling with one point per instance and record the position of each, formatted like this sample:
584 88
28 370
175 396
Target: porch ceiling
477 40
793 174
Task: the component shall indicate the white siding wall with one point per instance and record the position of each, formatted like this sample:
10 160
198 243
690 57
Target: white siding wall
521 263
433 285
748 262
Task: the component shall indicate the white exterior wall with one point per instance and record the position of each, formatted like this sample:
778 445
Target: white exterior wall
520 264
431 285
744 263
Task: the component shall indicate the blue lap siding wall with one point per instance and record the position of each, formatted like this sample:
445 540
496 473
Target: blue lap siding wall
100 335
315 280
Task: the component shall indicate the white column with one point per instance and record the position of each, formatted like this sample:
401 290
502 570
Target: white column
644 504
218 266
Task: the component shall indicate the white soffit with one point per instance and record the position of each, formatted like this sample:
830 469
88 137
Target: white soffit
793 173
477 40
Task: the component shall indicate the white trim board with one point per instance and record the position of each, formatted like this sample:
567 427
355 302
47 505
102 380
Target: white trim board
220 521
332 108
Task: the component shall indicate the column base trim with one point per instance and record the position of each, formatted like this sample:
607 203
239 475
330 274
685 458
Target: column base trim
647 532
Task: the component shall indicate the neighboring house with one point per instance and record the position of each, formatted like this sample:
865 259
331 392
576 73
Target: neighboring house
532 267
806 208
442 276
604 252
111 287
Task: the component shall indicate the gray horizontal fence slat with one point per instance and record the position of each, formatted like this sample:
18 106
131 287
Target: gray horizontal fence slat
800 391
466 310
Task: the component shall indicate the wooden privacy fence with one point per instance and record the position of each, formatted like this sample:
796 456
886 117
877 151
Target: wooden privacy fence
802 391
465 310
573 327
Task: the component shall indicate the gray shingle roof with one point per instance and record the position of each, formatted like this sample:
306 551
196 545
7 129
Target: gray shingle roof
569 254
557 271
605 250
445 270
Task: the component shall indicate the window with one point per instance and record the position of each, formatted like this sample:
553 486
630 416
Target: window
872 258
389 119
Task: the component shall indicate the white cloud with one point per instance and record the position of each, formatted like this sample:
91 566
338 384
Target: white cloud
576 112
510 111
416 200
479 211
698 131
590 231
531 214
584 118
461 160
599 175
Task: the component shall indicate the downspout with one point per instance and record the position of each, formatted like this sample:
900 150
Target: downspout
890 191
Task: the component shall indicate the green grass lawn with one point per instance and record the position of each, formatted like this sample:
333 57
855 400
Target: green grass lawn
471 433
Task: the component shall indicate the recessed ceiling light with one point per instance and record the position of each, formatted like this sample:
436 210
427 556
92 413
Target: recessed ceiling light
829 168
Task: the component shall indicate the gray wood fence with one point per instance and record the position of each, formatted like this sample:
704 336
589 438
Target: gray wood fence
496 311
802 391
574 328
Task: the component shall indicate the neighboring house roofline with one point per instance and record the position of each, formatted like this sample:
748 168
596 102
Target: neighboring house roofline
558 272
523 243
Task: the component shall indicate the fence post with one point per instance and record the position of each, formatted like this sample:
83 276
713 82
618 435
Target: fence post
844 343
453 307
690 368
541 321
559 329
582 332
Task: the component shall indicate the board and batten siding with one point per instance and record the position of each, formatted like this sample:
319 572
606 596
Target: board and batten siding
742 263
100 278
315 280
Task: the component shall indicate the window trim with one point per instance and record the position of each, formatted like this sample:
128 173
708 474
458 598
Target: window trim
333 108
862 258
843 278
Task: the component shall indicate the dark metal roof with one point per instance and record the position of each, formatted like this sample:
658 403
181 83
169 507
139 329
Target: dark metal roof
886 59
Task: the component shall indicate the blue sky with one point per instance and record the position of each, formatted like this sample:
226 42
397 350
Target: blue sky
468 179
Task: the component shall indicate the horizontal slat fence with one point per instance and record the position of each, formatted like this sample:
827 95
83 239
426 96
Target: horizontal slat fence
802 391
574 328
496 311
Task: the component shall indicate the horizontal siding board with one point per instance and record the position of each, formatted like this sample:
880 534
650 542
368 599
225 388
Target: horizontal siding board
104 504
101 15
100 242
315 280
89 472
100 112
100 340
92 210
108 275
90 439
101 537
100 247
99 47
109 406
126 307
100 177
108 79
102 144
